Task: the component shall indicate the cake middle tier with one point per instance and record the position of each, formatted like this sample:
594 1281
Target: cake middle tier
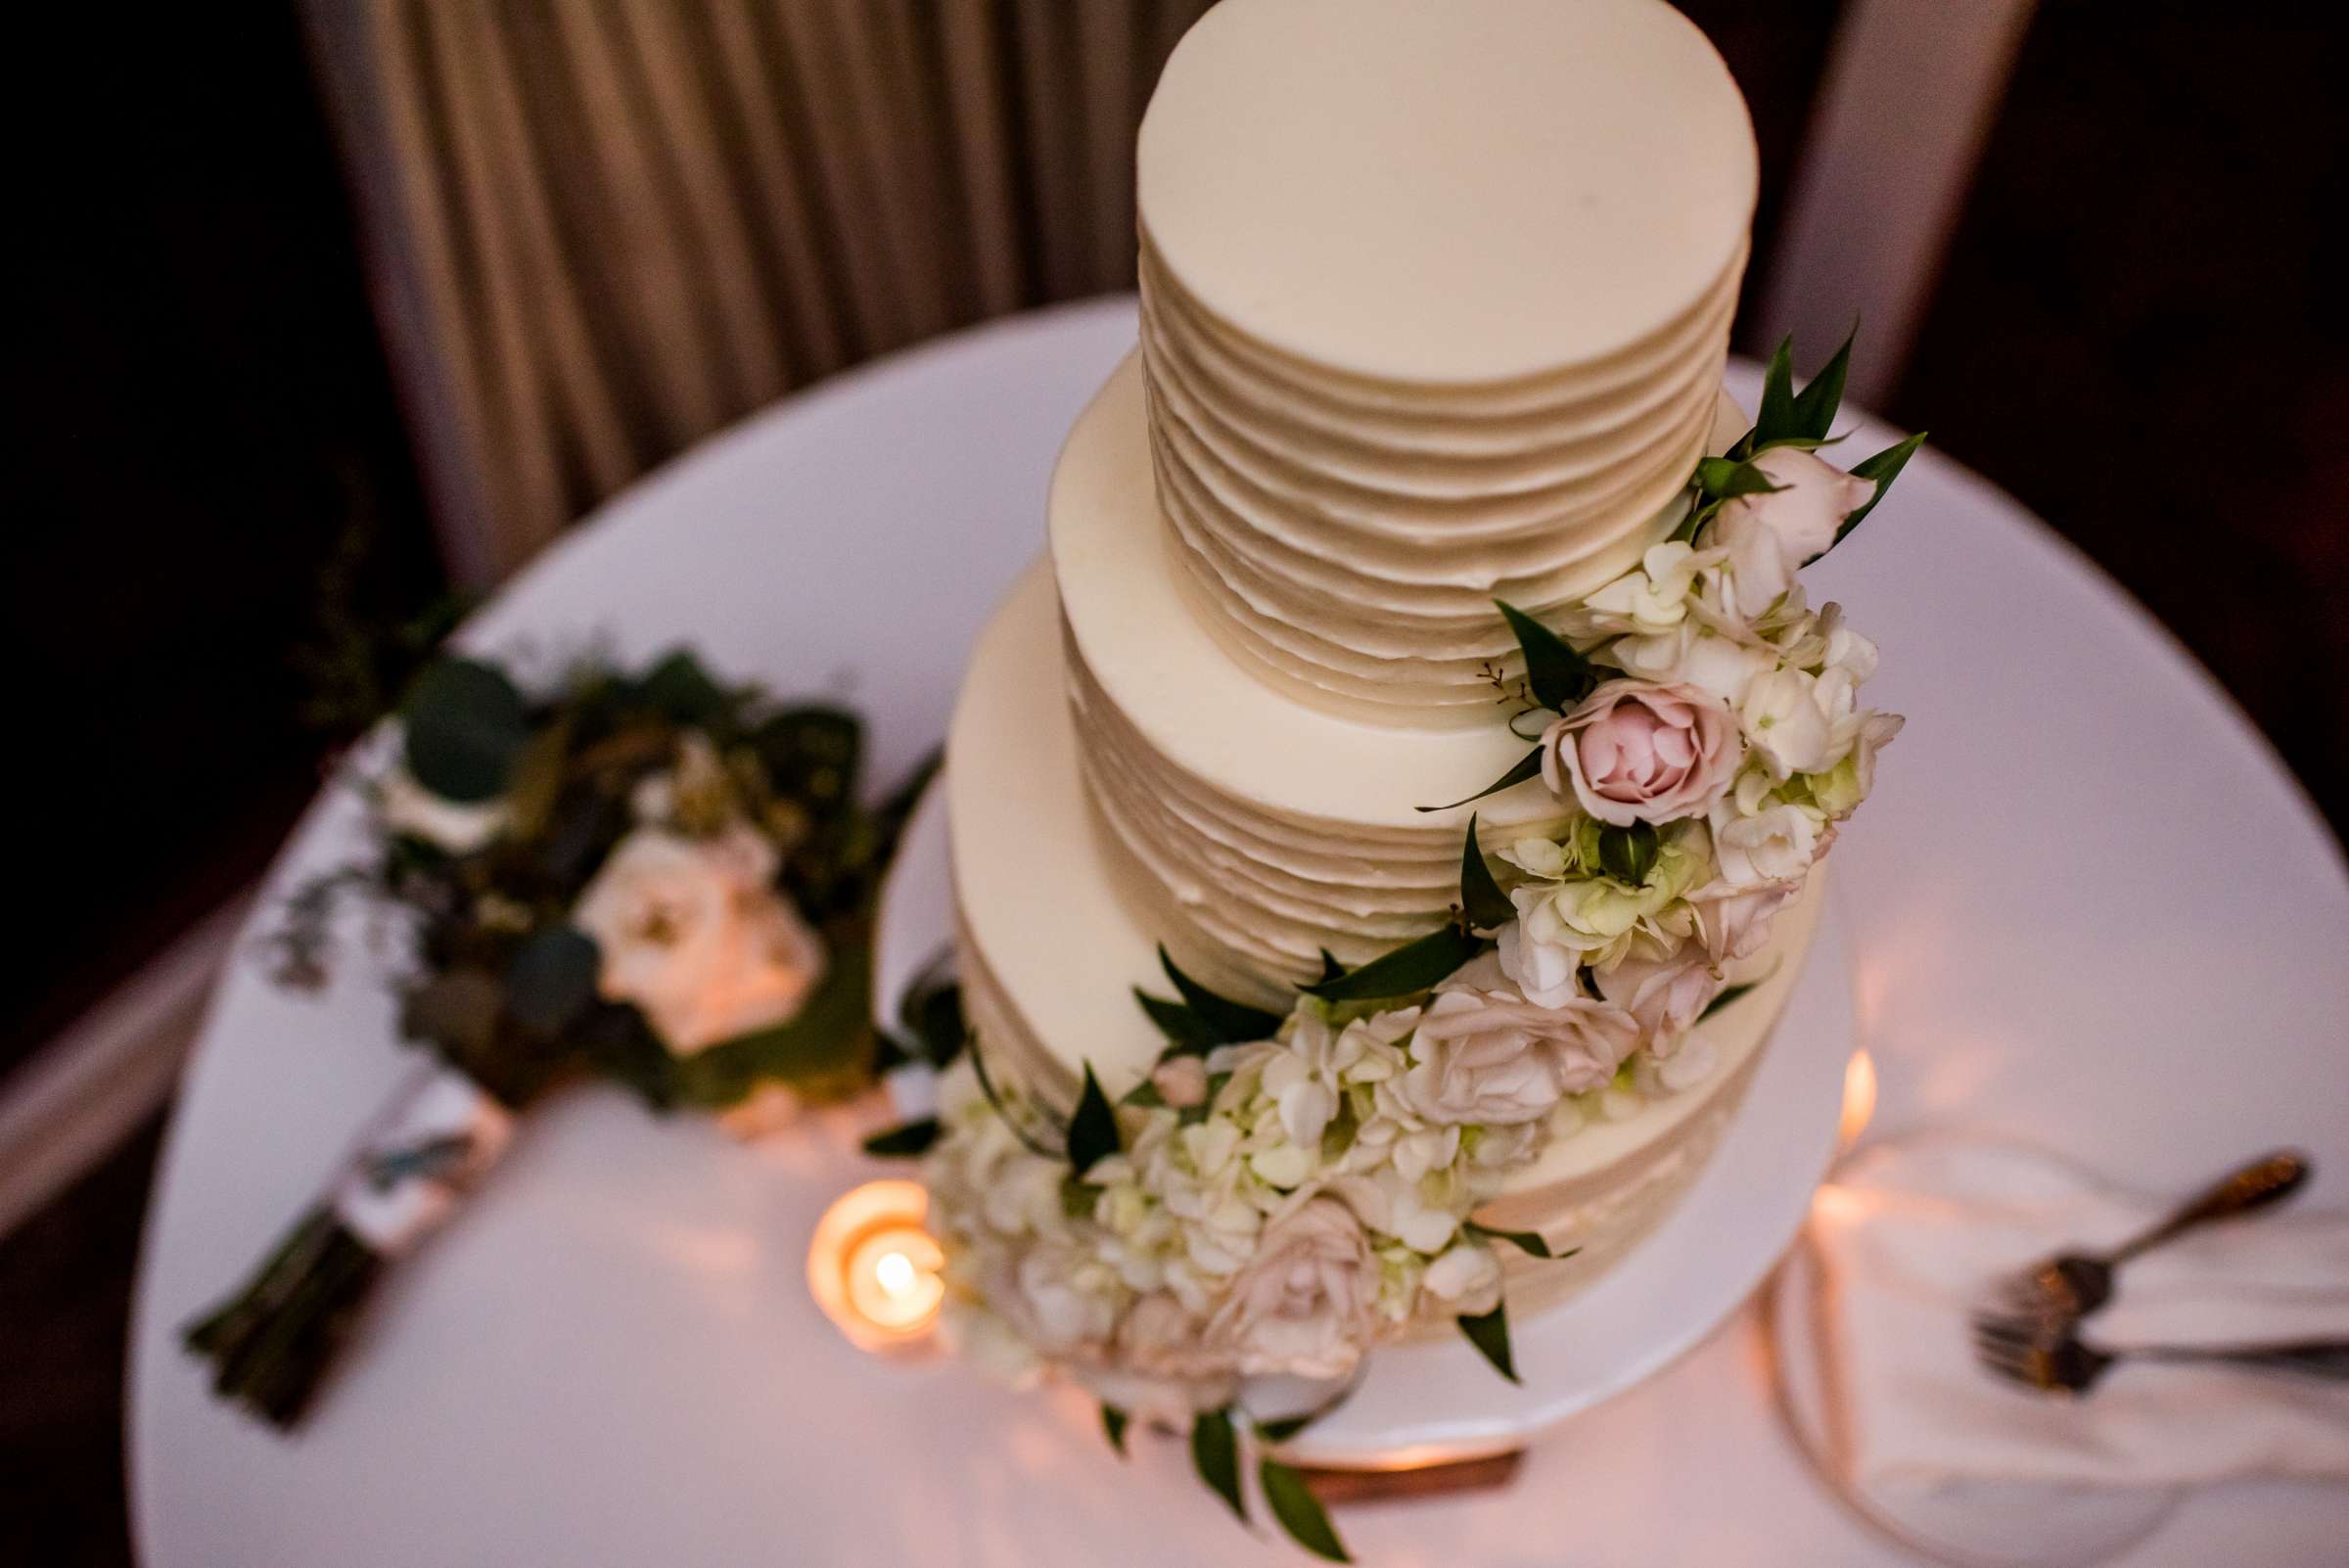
1261 828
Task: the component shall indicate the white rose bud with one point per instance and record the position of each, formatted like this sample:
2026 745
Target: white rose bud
1770 536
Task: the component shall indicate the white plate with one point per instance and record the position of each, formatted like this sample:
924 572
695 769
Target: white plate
2086 906
1441 1399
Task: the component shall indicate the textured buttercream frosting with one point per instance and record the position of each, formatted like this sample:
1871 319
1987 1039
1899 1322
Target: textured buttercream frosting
1434 306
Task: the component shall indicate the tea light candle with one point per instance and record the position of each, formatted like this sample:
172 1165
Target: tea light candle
872 1268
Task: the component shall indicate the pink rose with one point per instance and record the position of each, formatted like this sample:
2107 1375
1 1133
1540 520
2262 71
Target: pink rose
1667 996
1485 1055
1638 752
1733 919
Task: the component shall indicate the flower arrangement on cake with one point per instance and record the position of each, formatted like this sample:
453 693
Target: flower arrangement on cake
1286 1191
648 877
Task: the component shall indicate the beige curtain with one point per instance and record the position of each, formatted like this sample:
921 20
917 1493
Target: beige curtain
600 229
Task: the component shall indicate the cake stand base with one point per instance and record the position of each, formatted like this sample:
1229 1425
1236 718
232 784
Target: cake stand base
1439 1402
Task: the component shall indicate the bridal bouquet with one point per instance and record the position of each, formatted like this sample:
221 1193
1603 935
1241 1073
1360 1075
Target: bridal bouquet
1287 1190
647 877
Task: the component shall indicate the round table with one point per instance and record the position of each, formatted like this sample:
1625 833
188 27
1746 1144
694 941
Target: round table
2090 908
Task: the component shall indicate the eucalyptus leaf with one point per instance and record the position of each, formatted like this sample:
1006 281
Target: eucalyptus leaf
1235 1023
551 979
1413 967
1822 394
679 688
1215 1455
1482 902
1490 1334
907 1142
1527 766
1112 1426
1299 1511
1883 468
1094 1129
1559 676
466 726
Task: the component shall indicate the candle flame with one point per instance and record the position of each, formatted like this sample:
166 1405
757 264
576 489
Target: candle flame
1858 1099
872 1268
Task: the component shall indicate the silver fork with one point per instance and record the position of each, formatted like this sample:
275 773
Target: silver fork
2061 1362
2066 1288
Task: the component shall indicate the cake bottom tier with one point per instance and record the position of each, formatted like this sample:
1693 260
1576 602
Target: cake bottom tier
1053 939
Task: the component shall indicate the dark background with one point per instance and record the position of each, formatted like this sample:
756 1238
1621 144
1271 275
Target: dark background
215 542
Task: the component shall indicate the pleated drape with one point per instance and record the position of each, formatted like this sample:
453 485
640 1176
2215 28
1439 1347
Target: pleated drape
600 229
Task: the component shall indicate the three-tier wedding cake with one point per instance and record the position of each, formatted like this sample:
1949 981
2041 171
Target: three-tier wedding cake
1422 478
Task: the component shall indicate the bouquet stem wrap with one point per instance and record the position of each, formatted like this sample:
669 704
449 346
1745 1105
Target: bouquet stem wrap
272 1341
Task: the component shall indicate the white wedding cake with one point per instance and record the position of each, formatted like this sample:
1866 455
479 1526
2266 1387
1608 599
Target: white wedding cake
1435 303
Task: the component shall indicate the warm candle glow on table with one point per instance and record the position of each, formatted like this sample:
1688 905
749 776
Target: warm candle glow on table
1858 1099
873 1269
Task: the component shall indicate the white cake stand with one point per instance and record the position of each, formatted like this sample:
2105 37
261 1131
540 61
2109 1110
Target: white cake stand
1437 1402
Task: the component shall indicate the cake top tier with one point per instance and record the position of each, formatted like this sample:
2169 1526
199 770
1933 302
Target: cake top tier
1447 192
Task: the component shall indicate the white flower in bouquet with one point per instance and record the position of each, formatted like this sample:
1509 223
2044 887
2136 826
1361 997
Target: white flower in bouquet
1694 654
694 933
1635 751
459 827
1305 1302
1306 1080
1486 1055
1066 1295
1651 597
1770 536
1664 996
1787 717
1839 791
1775 844
1656 1077
1466 1278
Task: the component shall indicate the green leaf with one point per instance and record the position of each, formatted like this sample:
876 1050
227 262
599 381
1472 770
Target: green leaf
1529 1242
1414 966
1721 479
812 753
905 1141
1299 1511
679 688
1282 1428
1776 418
1490 1334
1331 969
1525 768
466 726
551 979
1883 468
1189 1034
1215 1455
1822 394
1235 1023
1094 1129
1628 853
1559 676
1145 1095
1482 902
1112 1426
1723 997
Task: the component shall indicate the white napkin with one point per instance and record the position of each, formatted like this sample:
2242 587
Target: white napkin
1910 1236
